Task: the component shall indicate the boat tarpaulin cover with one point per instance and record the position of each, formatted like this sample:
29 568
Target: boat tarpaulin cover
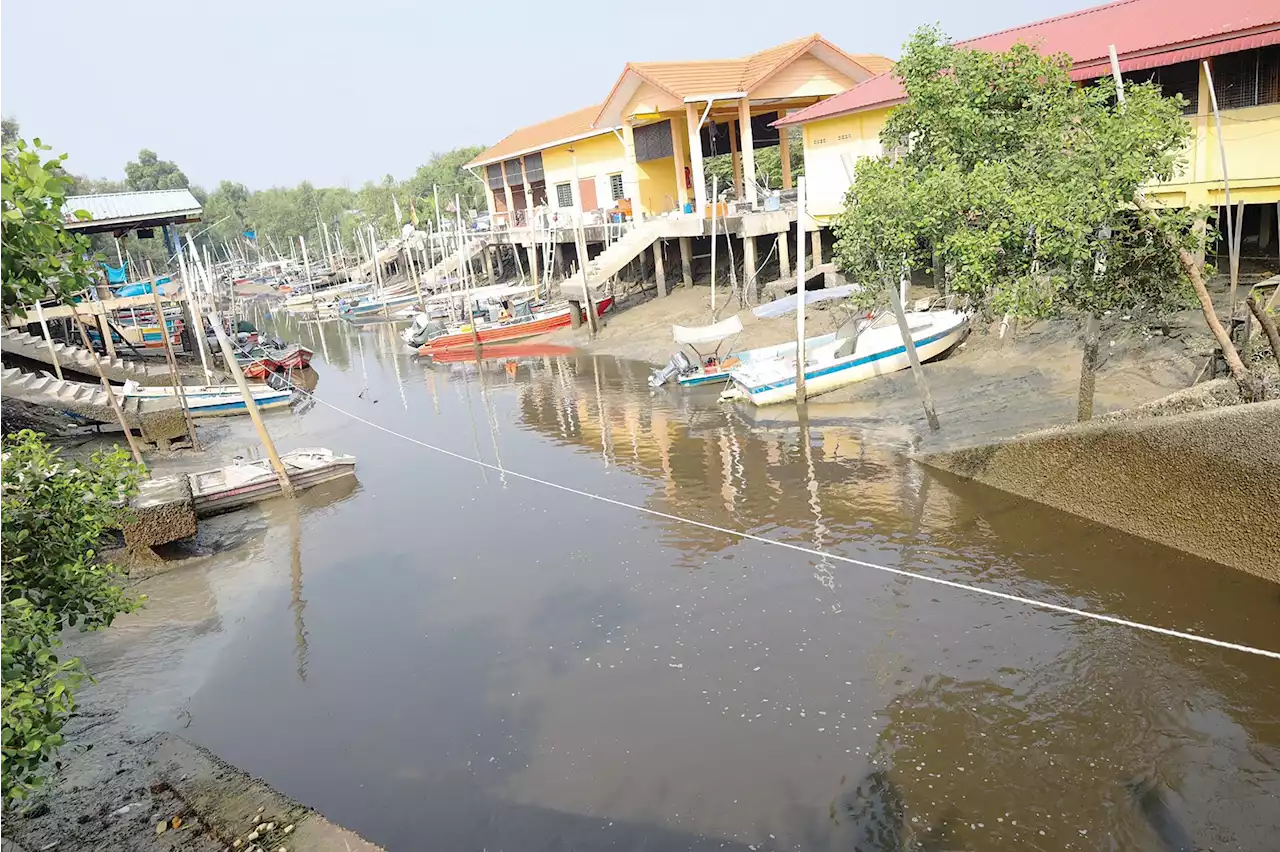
707 333
787 304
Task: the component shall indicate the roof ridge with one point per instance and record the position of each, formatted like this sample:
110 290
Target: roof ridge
1063 17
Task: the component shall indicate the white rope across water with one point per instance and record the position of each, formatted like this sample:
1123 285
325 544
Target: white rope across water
808 551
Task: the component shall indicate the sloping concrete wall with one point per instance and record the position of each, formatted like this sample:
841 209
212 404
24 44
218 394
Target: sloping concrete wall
1206 482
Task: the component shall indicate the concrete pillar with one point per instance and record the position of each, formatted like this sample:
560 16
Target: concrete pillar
686 261
678 143
784 254
692 115
575 314
749 264
748 152
104 328
630 177
498 252
659 269
816 237
735 152
644 266
784 152
506 192
488 264
528 204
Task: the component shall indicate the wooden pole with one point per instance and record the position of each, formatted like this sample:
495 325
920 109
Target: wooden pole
800 355
172 360
715 199
1233 259
580 235
106 386
48 339
464 279
912 356
229 355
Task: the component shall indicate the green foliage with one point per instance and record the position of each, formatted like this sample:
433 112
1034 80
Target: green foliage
1022 182
446 171
149 172
768 164
9 130
40 257
54 514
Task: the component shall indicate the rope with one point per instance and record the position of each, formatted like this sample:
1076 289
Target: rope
798 548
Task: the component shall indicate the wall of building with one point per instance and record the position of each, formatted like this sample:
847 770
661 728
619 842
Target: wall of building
658 188
807 76
1252 139
598 157
826 143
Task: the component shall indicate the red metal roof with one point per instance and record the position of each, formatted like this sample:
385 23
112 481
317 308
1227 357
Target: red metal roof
1146 33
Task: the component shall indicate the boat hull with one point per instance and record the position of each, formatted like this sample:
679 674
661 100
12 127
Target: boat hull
257 491
554 321
823 378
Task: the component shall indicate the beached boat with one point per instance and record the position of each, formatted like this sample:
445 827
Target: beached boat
214 400
864 348
527 322
225 488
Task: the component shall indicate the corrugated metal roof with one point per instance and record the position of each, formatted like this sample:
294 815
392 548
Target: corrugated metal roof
1145 32
125 206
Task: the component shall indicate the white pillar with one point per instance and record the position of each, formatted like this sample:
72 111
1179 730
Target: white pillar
692 115
630 175
748 152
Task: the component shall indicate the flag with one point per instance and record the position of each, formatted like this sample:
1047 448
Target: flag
395 207
413 214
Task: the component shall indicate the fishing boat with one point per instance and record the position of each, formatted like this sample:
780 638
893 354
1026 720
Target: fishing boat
705 342
225 488
369 308
526 321
863 348
258 362
214 400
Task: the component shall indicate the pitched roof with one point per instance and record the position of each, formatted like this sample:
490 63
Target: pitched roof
535 137
130 208
1146 33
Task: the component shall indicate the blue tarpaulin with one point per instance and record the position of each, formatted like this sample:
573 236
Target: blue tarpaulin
117 274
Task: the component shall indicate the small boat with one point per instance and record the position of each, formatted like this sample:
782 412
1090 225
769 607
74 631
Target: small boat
258 362
226 488
214 400
863 348
367 309
527 322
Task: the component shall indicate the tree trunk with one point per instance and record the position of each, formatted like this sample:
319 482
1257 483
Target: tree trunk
917 372
1268 327
1238 371
1088 370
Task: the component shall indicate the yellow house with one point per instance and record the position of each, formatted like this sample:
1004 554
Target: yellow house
672 115
1240 39
534 166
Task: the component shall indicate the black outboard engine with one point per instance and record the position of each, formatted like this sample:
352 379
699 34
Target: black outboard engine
678 365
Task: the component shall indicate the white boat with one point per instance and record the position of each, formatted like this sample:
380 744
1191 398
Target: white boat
859 351
705 342
213 400
226 488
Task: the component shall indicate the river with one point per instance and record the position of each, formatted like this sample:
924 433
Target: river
449 656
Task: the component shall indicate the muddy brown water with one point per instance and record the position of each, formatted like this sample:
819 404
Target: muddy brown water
446 656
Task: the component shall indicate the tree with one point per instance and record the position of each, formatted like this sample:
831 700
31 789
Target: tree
40 256
9 130
53 517
149 172
444 170
1023 184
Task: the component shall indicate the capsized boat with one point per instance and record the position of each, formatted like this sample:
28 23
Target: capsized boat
861 349
225 488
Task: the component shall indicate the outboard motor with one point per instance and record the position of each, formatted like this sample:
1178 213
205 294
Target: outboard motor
678 365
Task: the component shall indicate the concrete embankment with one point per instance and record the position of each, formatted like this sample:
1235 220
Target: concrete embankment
1206 482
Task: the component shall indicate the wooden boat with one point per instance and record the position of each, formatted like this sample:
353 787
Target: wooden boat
214 400
865 348
538 321
501 351
226 488
369 308
258 362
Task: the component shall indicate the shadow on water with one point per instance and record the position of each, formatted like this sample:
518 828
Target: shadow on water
453 656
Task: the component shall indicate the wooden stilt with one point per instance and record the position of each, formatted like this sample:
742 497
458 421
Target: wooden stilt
784 254
686 261
800 353
659 268
926 399
48 339
106 386
173 361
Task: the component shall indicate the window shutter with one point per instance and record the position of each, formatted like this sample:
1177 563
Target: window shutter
653 141
494 174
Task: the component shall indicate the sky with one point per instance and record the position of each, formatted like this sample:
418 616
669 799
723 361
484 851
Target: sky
273 92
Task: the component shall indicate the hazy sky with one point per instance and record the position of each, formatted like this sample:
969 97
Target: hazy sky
277 91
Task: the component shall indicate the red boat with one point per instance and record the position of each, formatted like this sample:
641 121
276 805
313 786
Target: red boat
542 322
498 351
259 362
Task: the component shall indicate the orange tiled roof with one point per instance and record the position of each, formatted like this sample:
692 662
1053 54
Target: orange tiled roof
535 137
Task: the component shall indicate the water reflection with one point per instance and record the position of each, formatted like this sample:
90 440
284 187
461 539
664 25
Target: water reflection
516 666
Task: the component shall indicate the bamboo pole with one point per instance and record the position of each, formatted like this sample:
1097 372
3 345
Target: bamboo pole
800 355
229 355
1233 258
715 185
913 357
464 278
172 360
48 339
106 386
580 235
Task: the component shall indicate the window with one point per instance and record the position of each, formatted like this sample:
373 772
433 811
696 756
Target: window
1248 78
533 167
1181 79
515 177
494 173
616 189
564 195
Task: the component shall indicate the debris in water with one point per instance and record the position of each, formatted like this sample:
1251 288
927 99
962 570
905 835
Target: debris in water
161 827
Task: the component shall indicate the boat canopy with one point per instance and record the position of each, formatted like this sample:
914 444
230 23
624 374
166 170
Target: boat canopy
496 291
787 304
693 335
